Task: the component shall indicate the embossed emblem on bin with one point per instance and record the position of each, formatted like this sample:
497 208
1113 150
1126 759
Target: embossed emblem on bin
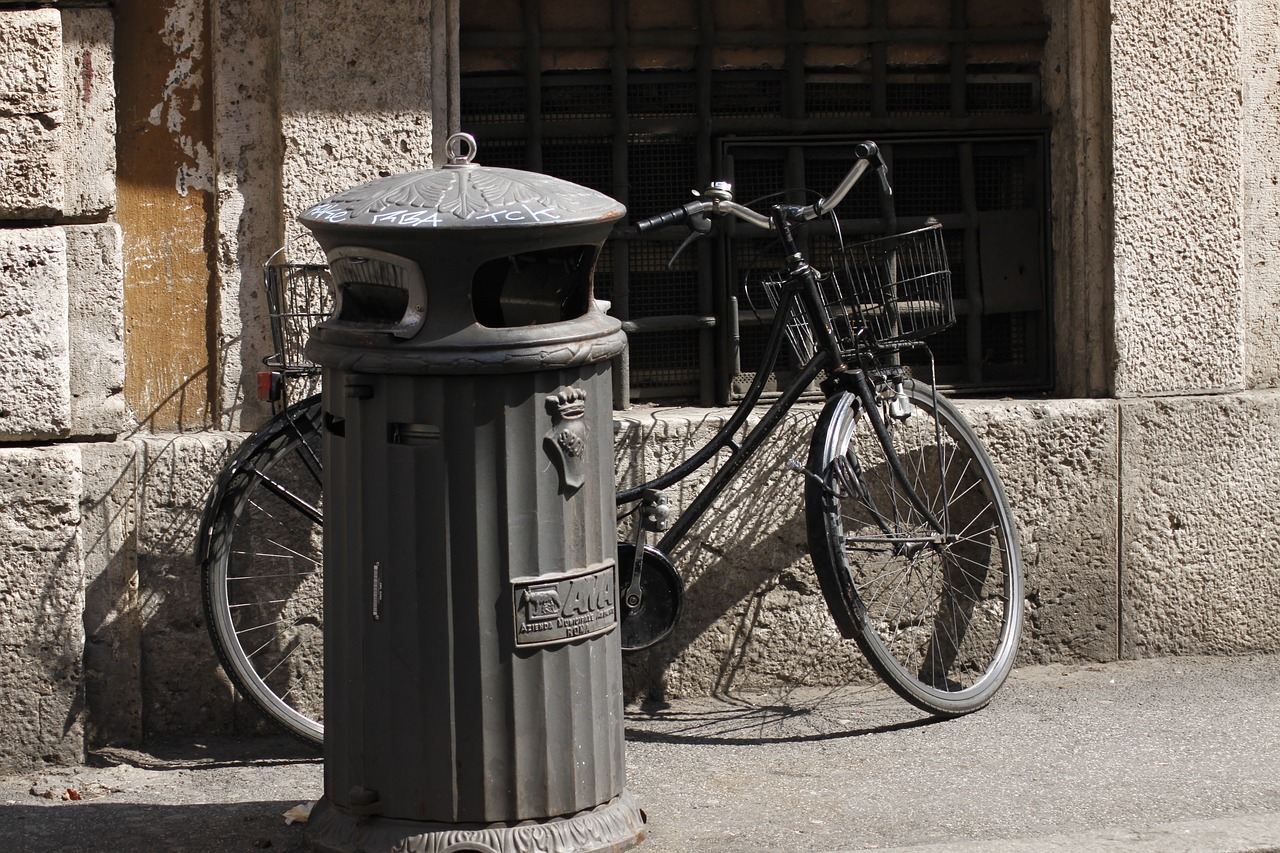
566 441
564 607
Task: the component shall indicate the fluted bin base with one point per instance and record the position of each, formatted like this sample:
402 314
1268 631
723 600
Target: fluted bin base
613 827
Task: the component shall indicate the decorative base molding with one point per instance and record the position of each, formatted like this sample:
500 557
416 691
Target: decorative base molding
613 827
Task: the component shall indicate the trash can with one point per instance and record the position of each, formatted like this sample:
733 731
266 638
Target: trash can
473 676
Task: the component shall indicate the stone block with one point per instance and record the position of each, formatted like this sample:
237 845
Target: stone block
248 191
183 690
32 179
31 77
1201 525
351 108
754 616
1261 185
95 282
1177 223
35 395
1059 461
112 606
41 601
88 140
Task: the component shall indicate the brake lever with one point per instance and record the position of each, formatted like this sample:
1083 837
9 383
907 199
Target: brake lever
699 226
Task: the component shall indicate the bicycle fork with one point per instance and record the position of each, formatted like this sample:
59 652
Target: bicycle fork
847 474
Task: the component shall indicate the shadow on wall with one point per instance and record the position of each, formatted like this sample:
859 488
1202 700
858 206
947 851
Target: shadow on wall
185 407
754 618
41 598
150 667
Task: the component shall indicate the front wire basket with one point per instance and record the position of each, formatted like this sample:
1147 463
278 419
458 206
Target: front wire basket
892 291
883 294
299 296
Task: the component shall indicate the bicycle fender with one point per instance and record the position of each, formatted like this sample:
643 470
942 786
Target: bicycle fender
831 581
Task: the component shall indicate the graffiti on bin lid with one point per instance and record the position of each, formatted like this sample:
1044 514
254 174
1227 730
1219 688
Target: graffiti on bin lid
465 194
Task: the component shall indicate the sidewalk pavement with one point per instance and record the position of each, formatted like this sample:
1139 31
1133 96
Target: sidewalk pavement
1180 754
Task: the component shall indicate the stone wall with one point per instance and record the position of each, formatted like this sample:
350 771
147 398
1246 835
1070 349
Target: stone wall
61 309
304 110
61 358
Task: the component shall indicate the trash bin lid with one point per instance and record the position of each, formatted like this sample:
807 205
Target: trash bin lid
463 195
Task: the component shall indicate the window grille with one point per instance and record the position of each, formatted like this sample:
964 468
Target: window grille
647 99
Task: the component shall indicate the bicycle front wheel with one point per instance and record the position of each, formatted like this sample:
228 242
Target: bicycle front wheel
263 571
936 612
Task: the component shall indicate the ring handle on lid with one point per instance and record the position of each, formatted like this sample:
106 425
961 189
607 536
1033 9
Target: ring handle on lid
461 149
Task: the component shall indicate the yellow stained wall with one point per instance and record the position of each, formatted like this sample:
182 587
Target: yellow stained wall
164 208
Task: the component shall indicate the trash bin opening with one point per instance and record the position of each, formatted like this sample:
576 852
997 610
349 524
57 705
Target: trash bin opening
529 289
377 291
368 302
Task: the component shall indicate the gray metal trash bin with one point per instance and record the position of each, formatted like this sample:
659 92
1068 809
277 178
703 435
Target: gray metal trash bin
473 685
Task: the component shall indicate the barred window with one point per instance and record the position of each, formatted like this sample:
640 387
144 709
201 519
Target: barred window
647 100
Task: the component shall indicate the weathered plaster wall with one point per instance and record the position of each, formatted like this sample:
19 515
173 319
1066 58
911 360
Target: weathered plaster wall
306 109
1177 151
248 221
352 109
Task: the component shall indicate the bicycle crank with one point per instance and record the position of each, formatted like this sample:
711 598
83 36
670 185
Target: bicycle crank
650 613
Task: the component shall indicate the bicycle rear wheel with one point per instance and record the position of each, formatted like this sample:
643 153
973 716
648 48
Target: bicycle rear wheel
263 571
937 615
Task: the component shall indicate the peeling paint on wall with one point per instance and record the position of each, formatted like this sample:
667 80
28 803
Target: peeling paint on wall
184 36
165 189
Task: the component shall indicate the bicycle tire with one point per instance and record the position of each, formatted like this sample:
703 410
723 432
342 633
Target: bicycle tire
939 621
262 571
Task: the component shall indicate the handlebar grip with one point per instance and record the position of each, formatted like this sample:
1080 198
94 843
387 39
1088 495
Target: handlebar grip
661 219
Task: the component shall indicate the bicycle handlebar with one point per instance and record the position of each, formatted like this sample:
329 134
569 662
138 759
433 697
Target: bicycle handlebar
866 152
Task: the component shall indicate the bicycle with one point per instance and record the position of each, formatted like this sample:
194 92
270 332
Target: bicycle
912 539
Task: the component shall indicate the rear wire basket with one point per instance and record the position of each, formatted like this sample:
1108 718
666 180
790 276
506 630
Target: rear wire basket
883 294
299 297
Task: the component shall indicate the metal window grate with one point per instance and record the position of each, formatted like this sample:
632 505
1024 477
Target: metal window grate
733 95
837 99
666 99
656 97
573 100
658 289
654 166
916 97
991 345
583 161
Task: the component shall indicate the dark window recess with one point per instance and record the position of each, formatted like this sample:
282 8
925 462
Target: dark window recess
649 111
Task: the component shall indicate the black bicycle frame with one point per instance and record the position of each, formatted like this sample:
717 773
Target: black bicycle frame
801 287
